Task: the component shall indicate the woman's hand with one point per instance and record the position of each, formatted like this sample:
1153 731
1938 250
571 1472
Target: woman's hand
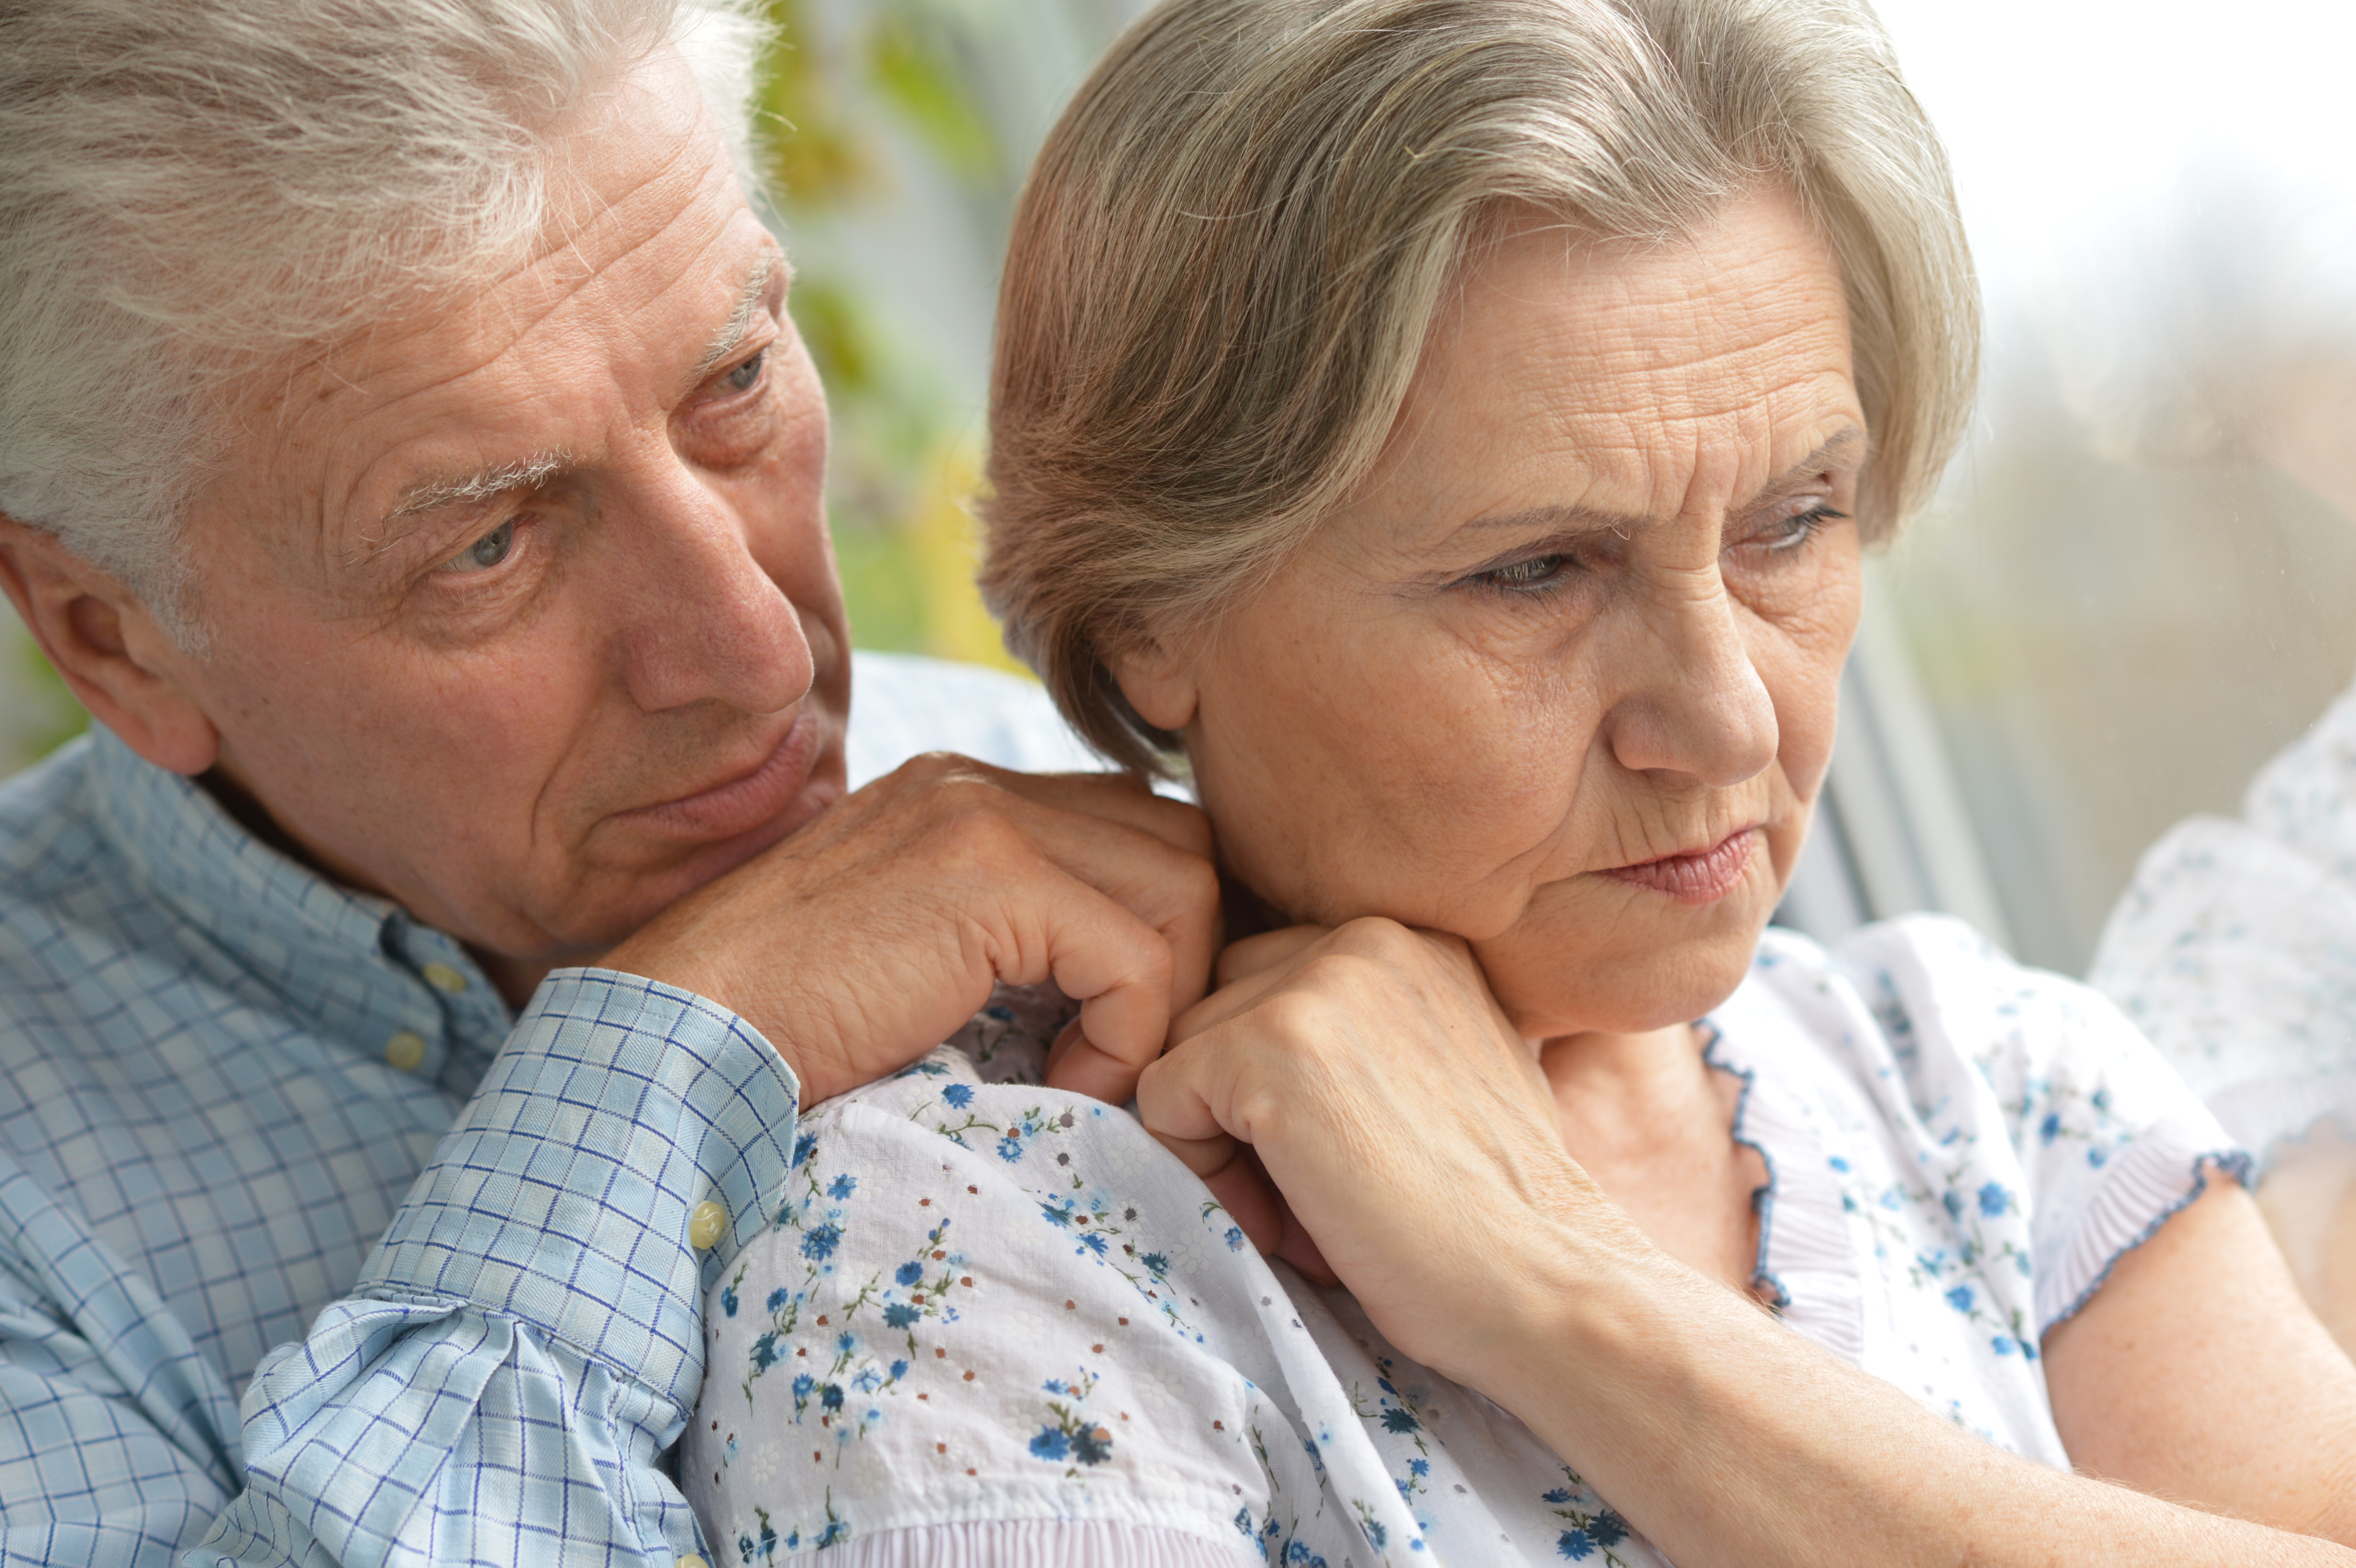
1405 1127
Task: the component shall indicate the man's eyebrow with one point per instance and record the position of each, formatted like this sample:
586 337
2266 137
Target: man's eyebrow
740 320
437 491
1847 446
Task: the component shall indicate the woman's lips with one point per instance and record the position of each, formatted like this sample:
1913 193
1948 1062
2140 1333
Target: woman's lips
749 800
1701 878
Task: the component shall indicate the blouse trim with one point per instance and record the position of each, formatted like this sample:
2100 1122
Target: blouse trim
1032 1544
1805 1258
2152 1180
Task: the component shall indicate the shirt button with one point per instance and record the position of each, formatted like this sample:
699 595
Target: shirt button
441 977
703 1227
690 1561
405 1052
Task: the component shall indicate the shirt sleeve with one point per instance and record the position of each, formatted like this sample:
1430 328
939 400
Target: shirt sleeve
526 1340
2108 1141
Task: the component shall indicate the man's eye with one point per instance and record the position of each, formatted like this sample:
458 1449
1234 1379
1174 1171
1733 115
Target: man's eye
486 552
741 380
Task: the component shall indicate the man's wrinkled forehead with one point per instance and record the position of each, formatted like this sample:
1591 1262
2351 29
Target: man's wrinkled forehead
648 256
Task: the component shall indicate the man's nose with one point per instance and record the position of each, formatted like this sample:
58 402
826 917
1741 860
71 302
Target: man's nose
699 620
1690 700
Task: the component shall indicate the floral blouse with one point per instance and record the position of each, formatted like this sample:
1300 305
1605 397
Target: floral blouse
988 1307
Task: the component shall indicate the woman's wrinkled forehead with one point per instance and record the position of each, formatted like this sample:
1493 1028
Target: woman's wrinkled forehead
1628 381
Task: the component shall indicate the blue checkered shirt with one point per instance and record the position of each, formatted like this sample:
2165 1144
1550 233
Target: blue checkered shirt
242 1107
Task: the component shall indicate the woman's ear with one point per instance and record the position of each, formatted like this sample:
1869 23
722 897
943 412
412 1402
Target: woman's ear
108 649
1159 681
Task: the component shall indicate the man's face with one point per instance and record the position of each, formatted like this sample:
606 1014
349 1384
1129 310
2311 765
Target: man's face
524 612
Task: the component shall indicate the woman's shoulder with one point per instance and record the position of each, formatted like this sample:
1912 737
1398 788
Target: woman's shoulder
1928 993
1982 1092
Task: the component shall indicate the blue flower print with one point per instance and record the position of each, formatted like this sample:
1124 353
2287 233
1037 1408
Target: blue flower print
1608 1529
842 1186
1095 1244
1010 1149
764 1352
1961 1298
1994 1201
1400 1420
1052 1445
728 1297
958 1095
804 1386
2050 1128
909 1273
844 1343
1952 1202
779 1298
818 1246
899 1370
1559 1495
831 1397
900 1315
2095 1156
1419 1467
2002 1344
1157 1262
1234 1239
1091 1445
804 1146
1576 1544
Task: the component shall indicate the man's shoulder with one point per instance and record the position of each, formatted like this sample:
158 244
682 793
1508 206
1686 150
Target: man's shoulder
50 845
905 704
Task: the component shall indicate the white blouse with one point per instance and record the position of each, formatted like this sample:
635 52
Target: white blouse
997 1324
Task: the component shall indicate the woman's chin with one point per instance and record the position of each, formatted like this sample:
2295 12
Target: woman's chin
1632 965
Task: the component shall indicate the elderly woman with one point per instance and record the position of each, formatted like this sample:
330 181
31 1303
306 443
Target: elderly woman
1449 429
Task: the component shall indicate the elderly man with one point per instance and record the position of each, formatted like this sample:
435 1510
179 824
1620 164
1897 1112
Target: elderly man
406 455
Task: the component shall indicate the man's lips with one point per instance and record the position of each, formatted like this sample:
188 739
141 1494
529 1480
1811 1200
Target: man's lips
1702 877
744 800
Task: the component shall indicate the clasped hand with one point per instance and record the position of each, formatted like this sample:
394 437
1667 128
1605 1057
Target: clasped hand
1364 1109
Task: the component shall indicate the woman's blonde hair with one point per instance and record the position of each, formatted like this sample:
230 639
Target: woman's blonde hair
1234 245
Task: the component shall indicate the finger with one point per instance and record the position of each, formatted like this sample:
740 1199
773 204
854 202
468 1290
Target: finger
1175 892
1076 1064
1241 960
1236 1180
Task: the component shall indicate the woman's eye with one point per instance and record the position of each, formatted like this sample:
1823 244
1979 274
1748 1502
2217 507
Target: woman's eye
742 378
1798 529
486 552
1534 573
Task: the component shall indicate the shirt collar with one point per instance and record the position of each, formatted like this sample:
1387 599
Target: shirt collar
354 964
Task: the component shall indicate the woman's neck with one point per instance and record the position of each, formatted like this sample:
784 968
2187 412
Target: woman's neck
1653 1123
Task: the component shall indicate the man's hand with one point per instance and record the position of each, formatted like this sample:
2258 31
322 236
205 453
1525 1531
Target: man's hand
871 935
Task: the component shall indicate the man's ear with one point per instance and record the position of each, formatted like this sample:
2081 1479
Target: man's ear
108 649
1158 678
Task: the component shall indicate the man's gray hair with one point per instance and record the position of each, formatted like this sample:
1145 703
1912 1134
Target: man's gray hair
193 189
1234 246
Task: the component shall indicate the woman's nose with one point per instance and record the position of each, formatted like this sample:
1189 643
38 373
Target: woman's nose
701 620
1690 699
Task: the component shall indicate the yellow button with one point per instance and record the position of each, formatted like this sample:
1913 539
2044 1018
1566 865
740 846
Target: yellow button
690 1561
703 1227
441 977
404 1052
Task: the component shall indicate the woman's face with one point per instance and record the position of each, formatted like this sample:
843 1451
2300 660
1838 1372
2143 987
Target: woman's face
1561 678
